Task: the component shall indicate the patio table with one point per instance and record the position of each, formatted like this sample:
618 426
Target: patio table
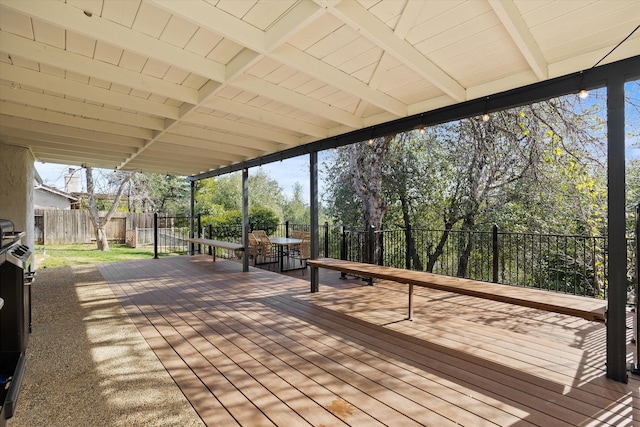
281 242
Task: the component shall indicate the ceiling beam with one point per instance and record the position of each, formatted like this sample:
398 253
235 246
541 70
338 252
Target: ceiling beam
7 122
48 82
254 135
517 28
193 137
255 85
81 109
268 117
410 13
241 32
83 65
48 116
376 31
176 149
73 19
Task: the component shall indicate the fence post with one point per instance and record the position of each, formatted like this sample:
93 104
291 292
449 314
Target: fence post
343 248
326 239
494 245
286 229
155 235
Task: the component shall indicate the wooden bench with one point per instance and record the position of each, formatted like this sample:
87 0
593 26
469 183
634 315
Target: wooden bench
573 305
215 244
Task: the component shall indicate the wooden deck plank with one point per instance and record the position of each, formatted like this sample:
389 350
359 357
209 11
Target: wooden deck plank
298 357
343 356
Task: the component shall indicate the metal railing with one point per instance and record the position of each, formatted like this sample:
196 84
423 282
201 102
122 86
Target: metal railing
574 264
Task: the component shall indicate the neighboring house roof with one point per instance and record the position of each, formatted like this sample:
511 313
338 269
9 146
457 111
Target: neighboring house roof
57 192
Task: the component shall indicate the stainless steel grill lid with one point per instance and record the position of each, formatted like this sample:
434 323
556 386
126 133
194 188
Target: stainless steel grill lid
6 228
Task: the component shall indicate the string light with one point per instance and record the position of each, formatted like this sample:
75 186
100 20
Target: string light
583 93
421 131
485 117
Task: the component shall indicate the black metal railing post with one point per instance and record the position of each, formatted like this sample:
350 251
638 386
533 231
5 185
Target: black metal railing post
326 239
380 248
371 248
155 235
211 237
286 229
496 253
343 248
199 232
408 256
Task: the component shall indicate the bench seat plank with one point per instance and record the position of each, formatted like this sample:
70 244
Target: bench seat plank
217 243
574 305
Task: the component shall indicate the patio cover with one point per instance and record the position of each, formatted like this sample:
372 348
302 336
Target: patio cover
187 87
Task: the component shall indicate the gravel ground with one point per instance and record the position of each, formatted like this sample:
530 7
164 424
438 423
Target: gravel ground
87 364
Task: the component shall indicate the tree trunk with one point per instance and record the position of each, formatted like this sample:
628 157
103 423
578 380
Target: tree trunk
101 239
365 165
100 224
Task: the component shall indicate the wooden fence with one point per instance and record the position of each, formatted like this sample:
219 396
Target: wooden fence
53 227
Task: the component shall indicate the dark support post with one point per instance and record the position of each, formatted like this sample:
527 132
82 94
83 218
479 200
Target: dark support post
326 239
617 292
635 365
155 235
245 219
286 229
494 245
192 213
313 178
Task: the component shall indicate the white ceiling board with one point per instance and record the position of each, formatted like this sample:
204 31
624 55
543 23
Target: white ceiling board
178 86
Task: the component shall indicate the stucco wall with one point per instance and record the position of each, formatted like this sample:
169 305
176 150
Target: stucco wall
43 199
16 188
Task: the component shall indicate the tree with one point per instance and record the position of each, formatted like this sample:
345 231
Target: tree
100 224
295 210
152 192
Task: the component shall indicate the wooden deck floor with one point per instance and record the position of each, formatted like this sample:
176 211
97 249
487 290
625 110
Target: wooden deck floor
257 349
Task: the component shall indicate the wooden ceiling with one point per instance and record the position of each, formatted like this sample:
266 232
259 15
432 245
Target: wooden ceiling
188 86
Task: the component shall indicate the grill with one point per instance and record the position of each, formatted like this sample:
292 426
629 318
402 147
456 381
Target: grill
16 274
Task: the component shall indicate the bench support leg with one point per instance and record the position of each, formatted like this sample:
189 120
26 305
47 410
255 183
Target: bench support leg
410 315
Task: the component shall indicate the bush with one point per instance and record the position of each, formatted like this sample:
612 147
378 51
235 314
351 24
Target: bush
264 219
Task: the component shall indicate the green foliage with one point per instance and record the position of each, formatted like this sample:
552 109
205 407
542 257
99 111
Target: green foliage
295 210
264 219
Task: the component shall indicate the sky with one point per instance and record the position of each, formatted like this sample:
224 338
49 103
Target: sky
286 173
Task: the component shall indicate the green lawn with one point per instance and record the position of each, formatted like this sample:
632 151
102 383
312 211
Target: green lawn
51 256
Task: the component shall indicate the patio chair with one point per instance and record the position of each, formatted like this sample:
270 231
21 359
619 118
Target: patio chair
254 248
304 252
267 251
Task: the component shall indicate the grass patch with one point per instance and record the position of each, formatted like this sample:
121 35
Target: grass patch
52 256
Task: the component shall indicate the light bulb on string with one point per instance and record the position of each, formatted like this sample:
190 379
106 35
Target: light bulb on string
485 117
583 93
